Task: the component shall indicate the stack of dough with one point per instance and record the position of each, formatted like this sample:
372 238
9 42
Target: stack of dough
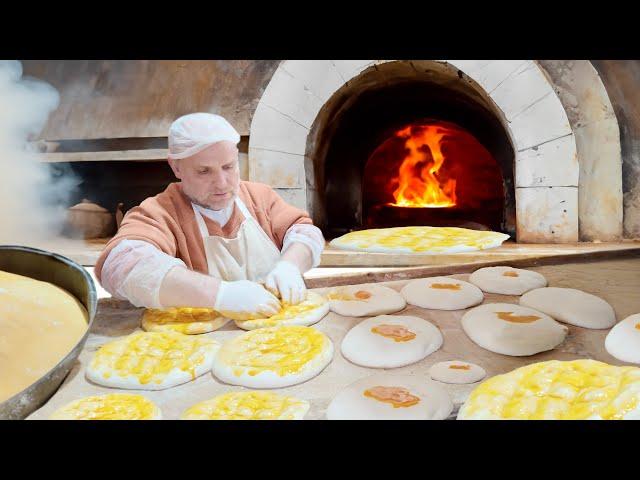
512 330
442 293
507 280
248 406
307 312
113 406
623 341
390 397
365 300
389 341
152 360
420 240
273 357
555 390
187 320
571 306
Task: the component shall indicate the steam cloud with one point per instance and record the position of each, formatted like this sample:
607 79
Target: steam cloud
32 198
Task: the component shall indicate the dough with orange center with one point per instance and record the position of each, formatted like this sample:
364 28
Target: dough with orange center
391 397
441 293
456 371
512 329
390 341
623 341
507 280
365 300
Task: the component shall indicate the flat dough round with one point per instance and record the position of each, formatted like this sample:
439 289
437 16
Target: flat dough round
151 360
273 357
507 280
556 390
571 306
511 329
248 406
442 293
457 371
391 397
187 320
419 240
365 300
307 312
390 341
113 406
623 341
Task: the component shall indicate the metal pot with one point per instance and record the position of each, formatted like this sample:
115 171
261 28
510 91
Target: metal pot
65 273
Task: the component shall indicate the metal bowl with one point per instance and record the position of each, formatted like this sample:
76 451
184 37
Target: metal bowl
65 273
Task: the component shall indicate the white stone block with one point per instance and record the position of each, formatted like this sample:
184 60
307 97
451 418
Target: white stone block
320 76
277 169
520 90
492 74
294 196
547 214
349 69
601 197
272 130
551 164
544 121
291 97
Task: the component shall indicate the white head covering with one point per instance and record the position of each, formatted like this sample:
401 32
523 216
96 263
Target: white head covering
194 132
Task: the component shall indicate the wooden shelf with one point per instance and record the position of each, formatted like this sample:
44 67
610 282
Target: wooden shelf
150 155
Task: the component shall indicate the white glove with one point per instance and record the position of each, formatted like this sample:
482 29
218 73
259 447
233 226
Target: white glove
245 300
286 279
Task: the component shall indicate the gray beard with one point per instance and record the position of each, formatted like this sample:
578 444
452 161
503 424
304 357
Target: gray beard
196 202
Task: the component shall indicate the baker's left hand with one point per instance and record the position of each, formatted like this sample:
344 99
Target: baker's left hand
286 279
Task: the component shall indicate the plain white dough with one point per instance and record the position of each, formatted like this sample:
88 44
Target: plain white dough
494 280
571 306
364 347
457 371
383 300
517 337
623 341
352 404
243 360
420 293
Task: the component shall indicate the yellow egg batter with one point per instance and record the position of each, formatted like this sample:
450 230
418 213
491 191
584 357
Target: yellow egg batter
420 239
40 324
572 390
248 406
114 406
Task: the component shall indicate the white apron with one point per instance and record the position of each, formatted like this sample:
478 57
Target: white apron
251 255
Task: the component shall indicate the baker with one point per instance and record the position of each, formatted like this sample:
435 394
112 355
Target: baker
211 239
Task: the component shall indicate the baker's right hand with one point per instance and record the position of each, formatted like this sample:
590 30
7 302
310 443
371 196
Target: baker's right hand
245 300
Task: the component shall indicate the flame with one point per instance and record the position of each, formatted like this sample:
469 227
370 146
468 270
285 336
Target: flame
418 185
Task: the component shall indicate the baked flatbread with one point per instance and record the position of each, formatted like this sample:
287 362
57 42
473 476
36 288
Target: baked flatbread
248 406
151 360
307 312
273 357
419 240
187 320
555 390
113 406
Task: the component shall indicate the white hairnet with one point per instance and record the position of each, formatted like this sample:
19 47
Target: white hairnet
194 132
